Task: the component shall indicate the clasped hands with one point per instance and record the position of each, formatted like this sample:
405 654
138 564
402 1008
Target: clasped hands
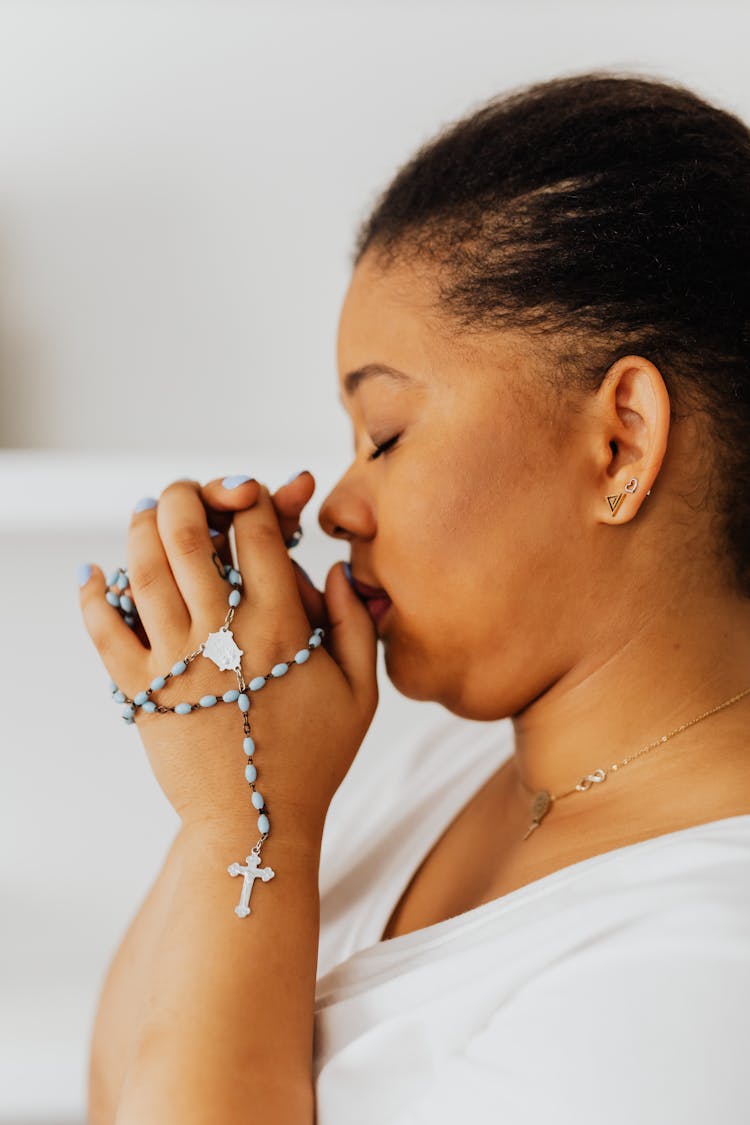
308 724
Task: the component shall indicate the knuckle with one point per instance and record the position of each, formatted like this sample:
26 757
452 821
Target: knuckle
174 486
143 575
187 539
265 533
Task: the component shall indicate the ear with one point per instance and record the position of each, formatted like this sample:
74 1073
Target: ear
635 419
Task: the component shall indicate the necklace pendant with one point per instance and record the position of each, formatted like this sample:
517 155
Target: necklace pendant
539 809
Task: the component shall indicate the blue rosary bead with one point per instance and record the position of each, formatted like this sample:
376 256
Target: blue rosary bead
125 604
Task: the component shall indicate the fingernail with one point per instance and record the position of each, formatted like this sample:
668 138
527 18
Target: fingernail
144 504
295 475
348 573
236 480
83 574
213 532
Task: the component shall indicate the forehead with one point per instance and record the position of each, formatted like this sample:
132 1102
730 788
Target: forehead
391 317
387 317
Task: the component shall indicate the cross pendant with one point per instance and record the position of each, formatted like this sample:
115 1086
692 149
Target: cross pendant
250 873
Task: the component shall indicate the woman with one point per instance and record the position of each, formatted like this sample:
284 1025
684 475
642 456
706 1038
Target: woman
544 355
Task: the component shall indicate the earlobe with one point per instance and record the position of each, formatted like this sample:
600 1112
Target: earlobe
637 416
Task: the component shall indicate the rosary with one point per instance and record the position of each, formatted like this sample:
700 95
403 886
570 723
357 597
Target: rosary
220 647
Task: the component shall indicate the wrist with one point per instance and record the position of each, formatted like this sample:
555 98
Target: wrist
292 836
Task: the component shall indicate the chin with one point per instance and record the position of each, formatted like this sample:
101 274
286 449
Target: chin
423 677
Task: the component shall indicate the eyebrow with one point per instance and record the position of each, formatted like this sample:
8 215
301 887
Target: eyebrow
370 371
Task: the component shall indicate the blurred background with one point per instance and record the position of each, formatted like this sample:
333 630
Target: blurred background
180 185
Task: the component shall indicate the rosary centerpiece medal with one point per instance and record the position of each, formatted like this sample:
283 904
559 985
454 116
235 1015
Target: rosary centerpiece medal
222 649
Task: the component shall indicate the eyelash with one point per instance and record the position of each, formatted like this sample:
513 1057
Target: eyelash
386 445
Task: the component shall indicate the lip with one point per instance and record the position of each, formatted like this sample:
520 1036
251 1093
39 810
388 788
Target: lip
378 607
368 591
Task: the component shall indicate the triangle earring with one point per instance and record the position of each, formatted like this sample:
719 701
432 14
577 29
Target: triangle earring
615 501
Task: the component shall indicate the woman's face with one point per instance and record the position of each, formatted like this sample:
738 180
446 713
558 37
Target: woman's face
470 521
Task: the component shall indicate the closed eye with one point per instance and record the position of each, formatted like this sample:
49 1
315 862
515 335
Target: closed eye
386 445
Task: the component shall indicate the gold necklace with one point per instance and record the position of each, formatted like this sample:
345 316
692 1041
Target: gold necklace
543 800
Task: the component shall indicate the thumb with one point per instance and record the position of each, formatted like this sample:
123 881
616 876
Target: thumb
352 637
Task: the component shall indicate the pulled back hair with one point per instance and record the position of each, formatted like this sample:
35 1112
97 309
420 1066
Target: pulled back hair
605 215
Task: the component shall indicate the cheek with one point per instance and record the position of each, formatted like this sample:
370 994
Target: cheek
476 546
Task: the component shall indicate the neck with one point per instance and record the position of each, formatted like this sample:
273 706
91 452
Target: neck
685 657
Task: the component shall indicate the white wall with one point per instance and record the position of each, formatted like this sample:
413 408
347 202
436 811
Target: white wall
179 187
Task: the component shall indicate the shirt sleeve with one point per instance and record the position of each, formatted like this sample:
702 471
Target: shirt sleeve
629 1032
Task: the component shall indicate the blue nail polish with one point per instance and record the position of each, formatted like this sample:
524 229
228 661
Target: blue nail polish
348 572
144 504
213 532
83 574
236 480
295 475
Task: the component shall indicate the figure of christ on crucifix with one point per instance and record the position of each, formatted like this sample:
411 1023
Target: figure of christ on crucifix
250 873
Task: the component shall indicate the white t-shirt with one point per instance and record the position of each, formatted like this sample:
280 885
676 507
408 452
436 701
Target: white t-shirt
615 991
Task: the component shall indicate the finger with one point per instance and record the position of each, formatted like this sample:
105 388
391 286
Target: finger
289 500
160 605
119 648
182 524
269 575
312 598
352 638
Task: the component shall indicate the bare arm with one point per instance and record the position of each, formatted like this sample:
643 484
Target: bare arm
121 1001
227 1034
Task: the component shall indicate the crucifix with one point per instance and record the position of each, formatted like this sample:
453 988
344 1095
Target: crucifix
250 873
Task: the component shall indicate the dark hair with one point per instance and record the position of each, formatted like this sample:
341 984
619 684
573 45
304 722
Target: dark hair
605 215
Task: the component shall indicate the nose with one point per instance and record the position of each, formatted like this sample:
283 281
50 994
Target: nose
327 521
345 515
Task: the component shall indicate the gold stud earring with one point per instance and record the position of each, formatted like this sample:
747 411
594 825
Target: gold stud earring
615 501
